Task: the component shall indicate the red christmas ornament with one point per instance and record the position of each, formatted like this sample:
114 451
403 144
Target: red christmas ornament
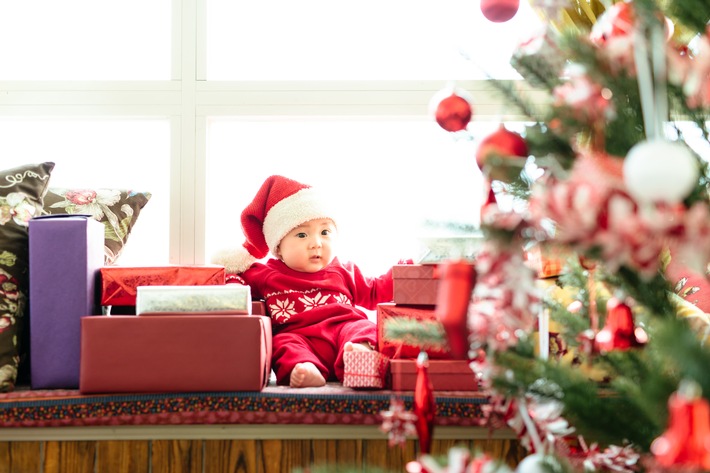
456 280
502 144
499 11
452 109
424 404
619 332
687 440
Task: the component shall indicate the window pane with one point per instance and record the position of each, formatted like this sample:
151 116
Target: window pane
118 154
360 40
85 40
391 177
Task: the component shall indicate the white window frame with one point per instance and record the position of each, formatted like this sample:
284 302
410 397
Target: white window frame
188 99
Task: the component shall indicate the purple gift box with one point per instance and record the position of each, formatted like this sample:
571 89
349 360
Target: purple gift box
66 253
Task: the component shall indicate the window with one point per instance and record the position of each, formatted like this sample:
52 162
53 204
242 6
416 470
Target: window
363 40
102 153
85 40
199 100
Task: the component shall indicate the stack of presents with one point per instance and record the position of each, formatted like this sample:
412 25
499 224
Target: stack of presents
112 329
415 293
182 329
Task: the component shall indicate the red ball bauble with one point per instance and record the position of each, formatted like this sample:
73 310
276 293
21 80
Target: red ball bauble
501 144
499 11
452 110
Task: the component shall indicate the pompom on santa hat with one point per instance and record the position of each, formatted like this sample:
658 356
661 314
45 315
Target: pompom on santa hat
280 205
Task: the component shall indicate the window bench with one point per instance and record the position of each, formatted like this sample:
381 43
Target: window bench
277 429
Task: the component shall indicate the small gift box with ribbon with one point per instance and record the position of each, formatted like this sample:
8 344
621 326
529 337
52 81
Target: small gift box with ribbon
365 369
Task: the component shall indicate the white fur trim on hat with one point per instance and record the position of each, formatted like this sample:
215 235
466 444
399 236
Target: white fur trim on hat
234 260
303 206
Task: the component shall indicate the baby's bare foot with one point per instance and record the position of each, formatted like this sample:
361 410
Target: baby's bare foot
306 375
350 346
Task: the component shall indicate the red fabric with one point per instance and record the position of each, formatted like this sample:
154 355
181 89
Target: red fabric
314 314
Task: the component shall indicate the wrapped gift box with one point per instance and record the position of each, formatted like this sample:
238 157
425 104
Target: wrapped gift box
415 284
215 300
119 284
365 369
395 349
175 353
66 253
445 375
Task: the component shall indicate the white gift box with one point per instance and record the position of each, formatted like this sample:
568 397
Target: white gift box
210 300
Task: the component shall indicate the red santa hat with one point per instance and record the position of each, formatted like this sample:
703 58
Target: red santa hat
280 205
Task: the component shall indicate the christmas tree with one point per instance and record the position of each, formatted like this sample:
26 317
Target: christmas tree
605 366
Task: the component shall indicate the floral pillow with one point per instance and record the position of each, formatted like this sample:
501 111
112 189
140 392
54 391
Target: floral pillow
22 190
117 209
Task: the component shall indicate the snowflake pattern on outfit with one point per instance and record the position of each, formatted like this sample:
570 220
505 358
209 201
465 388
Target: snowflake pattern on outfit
315 301
282 310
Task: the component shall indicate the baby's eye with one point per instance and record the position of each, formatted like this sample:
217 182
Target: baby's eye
325 232
301 235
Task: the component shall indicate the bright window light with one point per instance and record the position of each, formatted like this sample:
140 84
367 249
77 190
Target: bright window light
396 181
103 153
361 40
85 40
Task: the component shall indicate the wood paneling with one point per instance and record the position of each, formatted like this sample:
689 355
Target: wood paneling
176 456
18 457
69 457
231 456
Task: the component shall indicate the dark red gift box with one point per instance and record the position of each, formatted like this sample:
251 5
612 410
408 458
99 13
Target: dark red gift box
119 283
445 375
175 353
415 284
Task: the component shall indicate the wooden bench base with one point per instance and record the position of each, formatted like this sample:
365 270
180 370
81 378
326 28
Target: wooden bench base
231 448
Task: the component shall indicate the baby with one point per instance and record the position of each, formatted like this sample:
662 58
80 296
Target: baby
311 296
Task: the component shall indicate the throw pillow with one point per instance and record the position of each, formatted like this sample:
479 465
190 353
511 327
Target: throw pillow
117 209
22 190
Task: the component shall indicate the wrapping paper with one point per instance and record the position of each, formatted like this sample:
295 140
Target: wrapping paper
211 299
415 284
396 349
119 283
181 353
66 253
365 369
445 375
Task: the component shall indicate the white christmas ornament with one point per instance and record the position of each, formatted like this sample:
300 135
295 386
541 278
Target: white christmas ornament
660 171
535 463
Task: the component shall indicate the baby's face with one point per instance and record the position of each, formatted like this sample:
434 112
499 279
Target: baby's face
309 247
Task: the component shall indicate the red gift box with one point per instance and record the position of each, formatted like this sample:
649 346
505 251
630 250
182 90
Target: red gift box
445 375
365 369
395 348
415 284
119 283
175 353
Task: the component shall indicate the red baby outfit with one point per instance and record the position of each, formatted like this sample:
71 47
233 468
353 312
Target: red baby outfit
314 314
